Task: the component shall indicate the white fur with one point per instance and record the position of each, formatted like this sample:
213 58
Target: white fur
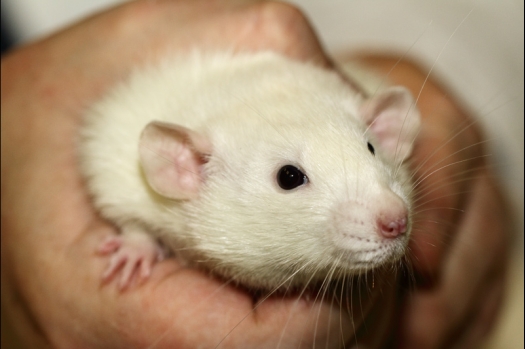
259 112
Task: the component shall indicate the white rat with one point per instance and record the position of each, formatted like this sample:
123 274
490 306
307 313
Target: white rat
263 170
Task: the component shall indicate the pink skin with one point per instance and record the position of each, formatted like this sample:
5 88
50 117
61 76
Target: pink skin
392 228
131 255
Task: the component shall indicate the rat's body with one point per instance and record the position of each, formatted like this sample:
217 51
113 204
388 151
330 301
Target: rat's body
205 180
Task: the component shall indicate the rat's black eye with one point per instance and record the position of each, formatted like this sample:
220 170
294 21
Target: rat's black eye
290 177
371 148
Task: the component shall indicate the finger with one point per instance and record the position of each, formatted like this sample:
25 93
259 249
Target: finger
227 313
479 252
261 26
278 27
377 328
449 157
481 321
440 191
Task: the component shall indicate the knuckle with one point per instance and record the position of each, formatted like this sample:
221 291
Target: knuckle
282 12
130 17
282 22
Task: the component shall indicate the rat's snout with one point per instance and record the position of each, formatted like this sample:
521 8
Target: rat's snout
392 216
384 214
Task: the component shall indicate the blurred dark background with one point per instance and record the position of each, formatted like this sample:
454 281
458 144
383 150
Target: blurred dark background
7 39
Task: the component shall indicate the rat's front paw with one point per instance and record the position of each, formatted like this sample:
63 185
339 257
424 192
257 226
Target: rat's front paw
132 254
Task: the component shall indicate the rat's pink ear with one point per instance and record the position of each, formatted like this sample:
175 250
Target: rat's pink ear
394 121
171 157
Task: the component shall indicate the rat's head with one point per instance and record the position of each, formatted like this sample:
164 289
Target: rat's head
291 194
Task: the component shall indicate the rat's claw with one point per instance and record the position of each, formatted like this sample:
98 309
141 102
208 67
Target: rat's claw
133 254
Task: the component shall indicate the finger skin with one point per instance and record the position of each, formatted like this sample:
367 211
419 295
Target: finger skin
476 263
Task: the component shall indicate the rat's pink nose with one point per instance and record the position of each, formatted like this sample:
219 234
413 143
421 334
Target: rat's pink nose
391 228
392 215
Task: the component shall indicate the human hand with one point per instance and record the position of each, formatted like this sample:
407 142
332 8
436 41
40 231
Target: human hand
48 226
458 250
51 289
